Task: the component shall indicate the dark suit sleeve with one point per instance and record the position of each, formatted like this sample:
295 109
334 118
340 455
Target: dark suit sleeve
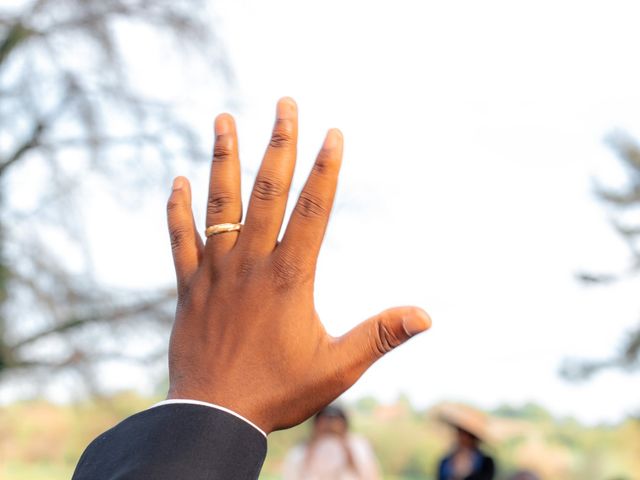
175 441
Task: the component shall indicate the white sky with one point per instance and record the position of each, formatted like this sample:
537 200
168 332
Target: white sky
473 130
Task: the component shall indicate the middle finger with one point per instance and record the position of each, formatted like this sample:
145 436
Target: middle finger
271 189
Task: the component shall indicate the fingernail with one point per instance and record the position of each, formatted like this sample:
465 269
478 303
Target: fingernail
286 108
178 183
333 138
414 324
222 125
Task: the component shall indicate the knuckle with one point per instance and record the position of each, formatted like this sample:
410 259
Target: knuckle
327 163
267 188
245 267
310 205
217 202
288 270
222 150
177 236
322 163
173 204
383 339
282 135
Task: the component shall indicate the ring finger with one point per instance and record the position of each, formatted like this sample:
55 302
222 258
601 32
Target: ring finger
224 202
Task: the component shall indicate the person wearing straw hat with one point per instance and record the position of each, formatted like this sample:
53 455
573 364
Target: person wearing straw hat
466 461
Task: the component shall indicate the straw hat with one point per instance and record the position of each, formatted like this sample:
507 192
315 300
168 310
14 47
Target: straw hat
465 418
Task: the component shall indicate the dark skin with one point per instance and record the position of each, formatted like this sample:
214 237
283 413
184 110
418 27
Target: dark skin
465 440
247 335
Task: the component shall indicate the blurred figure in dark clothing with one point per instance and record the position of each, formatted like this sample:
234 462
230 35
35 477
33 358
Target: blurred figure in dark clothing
466 461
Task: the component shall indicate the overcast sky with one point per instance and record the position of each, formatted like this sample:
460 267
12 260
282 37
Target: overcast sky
473 131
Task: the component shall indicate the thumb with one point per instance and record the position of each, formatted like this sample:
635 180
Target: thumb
377 336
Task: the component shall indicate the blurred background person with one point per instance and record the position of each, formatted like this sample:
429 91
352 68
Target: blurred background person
332 452
466 461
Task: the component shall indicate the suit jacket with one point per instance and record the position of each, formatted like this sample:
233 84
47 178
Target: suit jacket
176 441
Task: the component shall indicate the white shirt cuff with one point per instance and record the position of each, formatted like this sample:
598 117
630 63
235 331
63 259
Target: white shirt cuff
211 405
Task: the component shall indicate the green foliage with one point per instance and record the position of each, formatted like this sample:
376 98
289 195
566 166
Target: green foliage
366 404
40 441
529 411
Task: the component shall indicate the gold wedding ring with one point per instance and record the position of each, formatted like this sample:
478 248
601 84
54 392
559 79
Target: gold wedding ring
222 228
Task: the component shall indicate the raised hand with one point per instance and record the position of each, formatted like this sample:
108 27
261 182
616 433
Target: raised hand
247 336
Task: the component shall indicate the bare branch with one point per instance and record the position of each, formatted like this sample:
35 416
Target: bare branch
32 141
618 200
70 113
15 37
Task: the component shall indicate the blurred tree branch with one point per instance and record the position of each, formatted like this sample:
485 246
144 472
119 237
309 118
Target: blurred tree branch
623 202
68 110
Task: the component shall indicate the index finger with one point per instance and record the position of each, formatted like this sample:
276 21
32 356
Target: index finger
310 217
